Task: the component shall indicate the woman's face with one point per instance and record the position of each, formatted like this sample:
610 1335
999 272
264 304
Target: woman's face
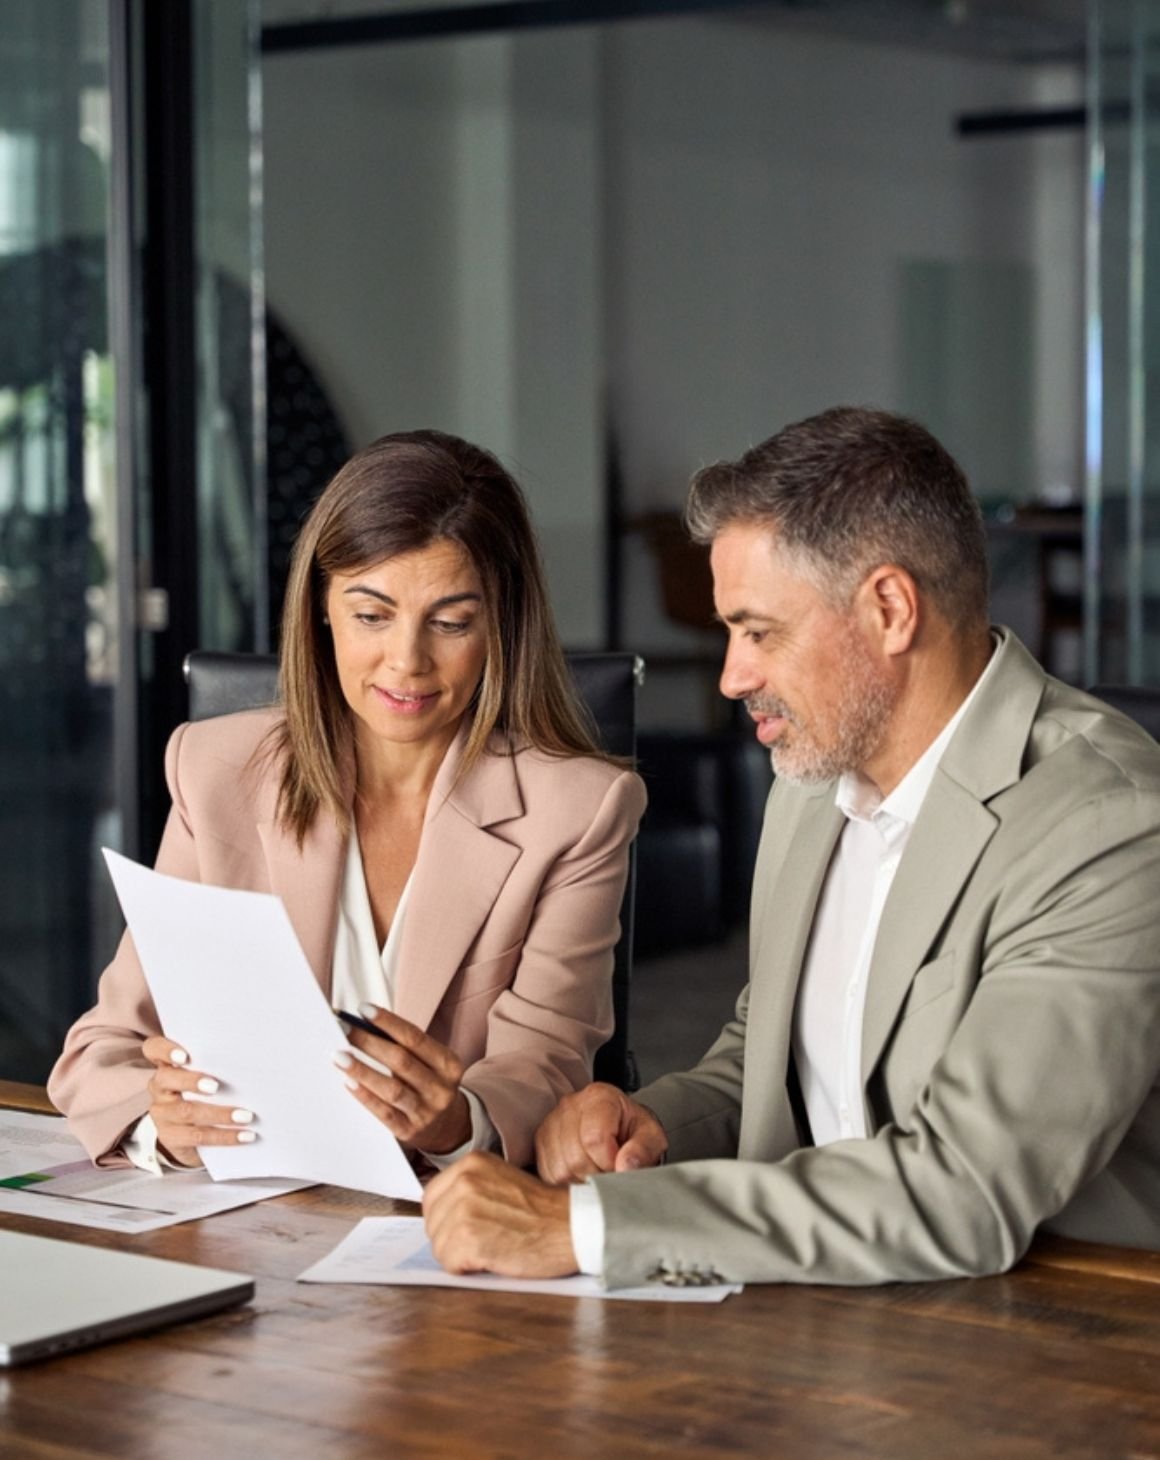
410 641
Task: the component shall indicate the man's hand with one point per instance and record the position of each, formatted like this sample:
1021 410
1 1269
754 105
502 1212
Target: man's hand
483 1215
597 1129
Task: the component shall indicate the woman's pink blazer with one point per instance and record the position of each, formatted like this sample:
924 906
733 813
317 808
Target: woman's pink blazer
507 948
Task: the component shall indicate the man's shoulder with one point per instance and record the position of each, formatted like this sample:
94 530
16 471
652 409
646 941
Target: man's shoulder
1029 736
1090 782
1076 734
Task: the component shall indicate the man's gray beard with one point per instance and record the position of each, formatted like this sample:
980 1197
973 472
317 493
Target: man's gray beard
867 698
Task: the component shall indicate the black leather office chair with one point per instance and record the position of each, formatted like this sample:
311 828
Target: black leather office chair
222 683
1135 701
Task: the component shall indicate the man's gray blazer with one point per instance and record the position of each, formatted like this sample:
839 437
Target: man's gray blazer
1011 1042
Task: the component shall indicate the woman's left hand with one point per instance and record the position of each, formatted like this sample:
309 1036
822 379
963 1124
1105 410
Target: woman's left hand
420 1101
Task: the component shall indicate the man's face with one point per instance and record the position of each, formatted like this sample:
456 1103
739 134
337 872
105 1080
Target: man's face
807 671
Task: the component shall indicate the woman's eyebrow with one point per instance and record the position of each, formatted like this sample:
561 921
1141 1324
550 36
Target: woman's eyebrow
454 598
446 602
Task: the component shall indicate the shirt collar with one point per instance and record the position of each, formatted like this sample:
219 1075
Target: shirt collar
859 799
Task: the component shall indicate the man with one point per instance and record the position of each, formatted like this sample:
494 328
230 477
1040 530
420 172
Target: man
951 1034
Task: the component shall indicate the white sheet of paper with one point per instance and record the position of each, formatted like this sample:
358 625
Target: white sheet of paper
30 1142
45 1172
232 985
394 1251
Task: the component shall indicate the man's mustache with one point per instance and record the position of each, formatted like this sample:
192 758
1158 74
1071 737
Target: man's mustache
769 705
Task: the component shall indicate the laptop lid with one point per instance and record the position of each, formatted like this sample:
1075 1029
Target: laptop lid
56 1296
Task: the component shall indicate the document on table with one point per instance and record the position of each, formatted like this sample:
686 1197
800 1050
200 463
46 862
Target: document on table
394 1251
232 984
45 1172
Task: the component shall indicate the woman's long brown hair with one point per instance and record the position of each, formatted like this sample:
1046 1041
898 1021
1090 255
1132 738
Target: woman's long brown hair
402 493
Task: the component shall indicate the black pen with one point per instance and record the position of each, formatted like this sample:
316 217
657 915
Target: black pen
360 1023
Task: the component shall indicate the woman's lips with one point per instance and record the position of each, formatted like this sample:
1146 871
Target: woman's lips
404 702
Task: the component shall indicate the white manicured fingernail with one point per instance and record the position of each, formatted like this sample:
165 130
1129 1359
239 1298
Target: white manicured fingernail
351 1084
241 1117
369 1011
207 1085
247 1137
343 1060
178 1057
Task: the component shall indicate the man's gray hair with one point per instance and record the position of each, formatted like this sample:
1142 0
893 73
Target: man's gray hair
849 490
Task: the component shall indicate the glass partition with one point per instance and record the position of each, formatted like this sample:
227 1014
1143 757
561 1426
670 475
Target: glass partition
59 623
230 327
1122 564
90 682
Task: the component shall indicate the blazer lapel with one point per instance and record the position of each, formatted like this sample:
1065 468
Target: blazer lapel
458 874
781 937
954 826
947 840
308 882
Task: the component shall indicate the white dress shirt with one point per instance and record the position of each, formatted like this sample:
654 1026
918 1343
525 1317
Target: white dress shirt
361 972
827 1029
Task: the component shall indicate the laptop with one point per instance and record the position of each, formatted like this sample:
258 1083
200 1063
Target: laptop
57 1296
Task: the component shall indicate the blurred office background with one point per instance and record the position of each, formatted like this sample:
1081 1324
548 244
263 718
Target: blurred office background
239 240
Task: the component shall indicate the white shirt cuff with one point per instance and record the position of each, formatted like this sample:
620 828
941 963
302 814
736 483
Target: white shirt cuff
586 1216
484 1136
140 1145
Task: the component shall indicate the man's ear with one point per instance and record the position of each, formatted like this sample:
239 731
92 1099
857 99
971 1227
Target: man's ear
887 603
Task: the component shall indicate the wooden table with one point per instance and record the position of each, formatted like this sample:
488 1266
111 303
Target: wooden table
1059 1358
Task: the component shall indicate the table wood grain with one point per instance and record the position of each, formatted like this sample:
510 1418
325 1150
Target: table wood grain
1058 1358
15 1096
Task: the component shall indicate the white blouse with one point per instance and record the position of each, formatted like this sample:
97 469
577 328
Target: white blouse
362 972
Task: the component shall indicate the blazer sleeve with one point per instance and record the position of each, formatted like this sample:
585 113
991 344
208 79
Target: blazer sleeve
1052 1061
701 1109
99 1082
544 1030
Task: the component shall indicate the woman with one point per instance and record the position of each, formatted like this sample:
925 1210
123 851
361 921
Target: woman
449 843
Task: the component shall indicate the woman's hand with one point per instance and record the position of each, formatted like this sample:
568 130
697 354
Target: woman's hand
184 1124
419 1101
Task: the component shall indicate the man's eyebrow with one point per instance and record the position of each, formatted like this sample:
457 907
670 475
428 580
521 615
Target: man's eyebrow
744 616
447 602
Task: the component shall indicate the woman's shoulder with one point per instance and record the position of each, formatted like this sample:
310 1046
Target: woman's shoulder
556 783
223 746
